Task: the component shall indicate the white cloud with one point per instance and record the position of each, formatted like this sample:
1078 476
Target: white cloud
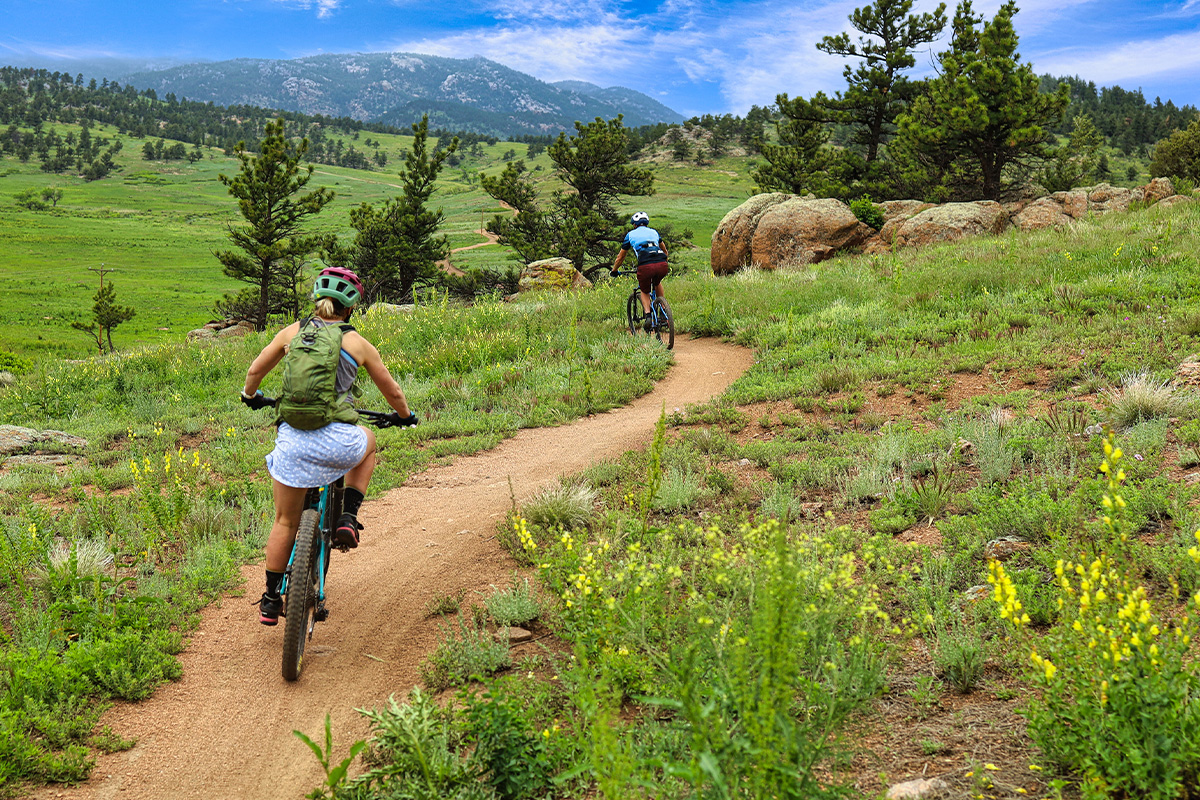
525 11
59 51
325 8
549 53
1129 61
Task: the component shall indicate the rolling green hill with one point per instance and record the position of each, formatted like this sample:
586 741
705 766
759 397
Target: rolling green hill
157 224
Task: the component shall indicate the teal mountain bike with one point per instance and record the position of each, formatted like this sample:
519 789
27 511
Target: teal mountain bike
658 323
303 587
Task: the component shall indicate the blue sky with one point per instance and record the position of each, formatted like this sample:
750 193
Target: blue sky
696 56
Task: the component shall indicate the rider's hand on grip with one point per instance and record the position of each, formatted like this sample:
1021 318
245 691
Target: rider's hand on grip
394 420
255 401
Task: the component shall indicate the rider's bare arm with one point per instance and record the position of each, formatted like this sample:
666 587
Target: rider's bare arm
367 356
269 358
620 259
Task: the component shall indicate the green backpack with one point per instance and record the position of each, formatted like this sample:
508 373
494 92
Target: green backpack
308 399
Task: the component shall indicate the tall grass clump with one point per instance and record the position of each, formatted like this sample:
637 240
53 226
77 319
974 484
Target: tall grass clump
562 506
1140 398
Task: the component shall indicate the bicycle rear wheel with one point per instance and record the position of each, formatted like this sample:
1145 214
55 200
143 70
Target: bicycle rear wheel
633 312
301 597
665 329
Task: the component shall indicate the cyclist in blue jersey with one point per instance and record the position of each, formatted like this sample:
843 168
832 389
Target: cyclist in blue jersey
651 254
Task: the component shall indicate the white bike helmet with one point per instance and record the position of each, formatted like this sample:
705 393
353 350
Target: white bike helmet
640 218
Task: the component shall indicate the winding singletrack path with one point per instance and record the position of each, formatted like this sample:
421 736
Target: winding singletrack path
225 729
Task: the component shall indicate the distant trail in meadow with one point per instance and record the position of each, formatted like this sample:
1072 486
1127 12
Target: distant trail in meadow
225 729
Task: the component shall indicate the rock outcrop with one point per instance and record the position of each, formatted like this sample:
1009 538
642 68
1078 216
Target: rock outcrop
15 439
731 243
775 229
801 231
221 327
551 273
949 222
1175 199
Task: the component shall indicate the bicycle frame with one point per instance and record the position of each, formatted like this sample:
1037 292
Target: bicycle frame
657 315
661 324
325 499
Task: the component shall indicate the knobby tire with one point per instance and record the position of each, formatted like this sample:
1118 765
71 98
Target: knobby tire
633 313
667 327
301 596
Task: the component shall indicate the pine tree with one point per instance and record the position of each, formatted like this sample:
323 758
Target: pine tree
876 92
983 116
1075 162
272 244
581 223
396 246
795 163
106 315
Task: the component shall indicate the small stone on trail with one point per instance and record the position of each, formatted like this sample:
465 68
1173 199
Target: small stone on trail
913 790
976 593
1004 547
811 510
513 635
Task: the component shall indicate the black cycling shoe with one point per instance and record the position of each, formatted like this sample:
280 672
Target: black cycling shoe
345 535
647 324
269 609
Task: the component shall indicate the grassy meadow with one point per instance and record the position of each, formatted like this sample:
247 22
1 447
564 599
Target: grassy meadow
158 223
945 526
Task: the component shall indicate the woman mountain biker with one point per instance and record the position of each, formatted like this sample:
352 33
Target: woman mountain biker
651 254
306 458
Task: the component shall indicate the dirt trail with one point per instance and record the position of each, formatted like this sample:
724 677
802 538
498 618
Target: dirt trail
225 729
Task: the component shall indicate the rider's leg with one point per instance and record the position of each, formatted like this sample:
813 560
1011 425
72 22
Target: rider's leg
289 504
360 476
357 479
645 303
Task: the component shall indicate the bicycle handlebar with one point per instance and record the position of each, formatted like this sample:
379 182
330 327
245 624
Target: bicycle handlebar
380 419
388 419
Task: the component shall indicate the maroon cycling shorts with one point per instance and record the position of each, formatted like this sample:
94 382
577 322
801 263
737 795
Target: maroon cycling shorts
651 274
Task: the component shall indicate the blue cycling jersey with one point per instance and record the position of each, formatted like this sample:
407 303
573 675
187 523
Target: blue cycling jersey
645 243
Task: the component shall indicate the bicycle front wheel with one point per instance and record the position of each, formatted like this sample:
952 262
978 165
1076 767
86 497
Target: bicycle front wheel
664 327
301 597
633 312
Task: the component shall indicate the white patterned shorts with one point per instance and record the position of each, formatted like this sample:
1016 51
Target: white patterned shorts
304 459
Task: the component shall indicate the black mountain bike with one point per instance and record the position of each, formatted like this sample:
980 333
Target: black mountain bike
658 323
303 587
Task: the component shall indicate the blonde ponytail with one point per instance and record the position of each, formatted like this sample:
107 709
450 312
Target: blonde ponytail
328 308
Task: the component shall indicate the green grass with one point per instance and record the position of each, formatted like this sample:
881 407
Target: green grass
673 581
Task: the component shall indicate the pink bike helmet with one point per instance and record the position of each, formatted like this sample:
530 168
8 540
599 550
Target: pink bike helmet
340 284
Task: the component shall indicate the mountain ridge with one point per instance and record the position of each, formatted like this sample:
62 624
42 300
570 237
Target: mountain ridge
474 94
